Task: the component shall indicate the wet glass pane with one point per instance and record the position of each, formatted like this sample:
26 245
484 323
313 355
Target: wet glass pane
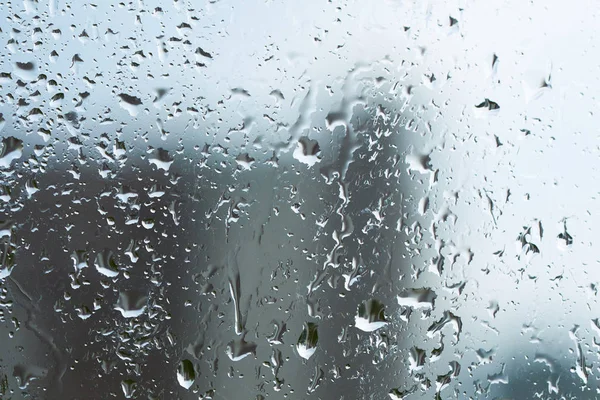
298 199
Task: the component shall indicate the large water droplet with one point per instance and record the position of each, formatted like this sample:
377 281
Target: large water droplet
186 374
307 342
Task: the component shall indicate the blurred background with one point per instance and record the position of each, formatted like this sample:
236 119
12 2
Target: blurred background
293 200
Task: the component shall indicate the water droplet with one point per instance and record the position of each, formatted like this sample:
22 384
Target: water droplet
12 149
129 387
238 349
186 374
417 298
105 263
370 316
131 304
308 340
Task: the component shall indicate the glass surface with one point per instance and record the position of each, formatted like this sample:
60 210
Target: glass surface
299 199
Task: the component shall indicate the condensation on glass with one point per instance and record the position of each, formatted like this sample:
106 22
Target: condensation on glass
299 199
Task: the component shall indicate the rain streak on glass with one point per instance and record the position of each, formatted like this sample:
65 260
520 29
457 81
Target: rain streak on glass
290 200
